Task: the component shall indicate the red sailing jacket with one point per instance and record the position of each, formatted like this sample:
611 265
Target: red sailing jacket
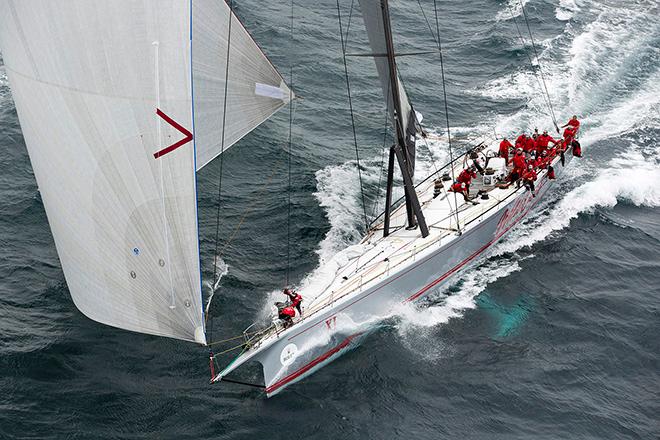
288 311
504 147
466 176
543 140
574 123
519 162
543 162
457 187
530 175
530 144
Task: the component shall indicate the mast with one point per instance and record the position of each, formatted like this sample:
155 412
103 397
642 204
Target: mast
399 149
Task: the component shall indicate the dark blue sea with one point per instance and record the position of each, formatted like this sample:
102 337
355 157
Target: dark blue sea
553 335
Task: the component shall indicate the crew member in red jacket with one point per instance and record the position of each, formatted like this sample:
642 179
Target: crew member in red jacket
543 160
529 177
460 188
573 123
521 140
295 298
466 176
542 142
529 144
504 150
569 135
286 314
519 166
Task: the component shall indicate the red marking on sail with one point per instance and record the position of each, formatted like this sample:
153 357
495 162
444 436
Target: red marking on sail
188 135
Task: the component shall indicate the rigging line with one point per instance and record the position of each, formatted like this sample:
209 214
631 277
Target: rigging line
256 199
222 148
419 2
529 57
538 60
444 92
288 213
382 154
348 27
236 347
235 337
251 207
238 382
350 104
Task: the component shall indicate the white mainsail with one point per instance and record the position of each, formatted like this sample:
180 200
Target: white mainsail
104 94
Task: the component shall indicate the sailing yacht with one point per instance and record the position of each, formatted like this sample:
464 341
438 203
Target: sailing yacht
122 102
414 247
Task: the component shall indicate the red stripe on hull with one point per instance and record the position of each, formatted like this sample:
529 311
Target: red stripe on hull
468 259
345 343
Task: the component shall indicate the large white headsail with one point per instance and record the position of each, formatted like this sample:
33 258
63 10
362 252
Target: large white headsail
88 78
255 90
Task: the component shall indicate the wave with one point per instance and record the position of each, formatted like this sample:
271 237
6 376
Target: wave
511 7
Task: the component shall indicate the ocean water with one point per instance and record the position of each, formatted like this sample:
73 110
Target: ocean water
555 334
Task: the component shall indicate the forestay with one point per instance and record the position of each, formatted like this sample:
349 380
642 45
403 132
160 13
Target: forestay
104 94
374 21
255 89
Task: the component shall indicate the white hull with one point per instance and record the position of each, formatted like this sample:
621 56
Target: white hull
400 268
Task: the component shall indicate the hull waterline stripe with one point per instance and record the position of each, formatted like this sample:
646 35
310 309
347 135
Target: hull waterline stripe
468 259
